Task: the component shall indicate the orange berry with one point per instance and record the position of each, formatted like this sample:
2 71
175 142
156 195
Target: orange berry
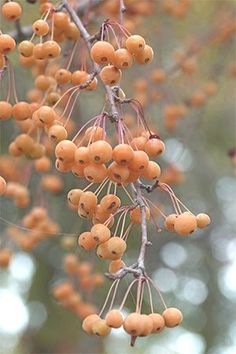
40 27
46 115
24 143
146 324
115 265
136 215
86 241
72 32
7 43
110 203
132 324
65 151
203 220
135 44
79 77
146 56
2 61
5 110
3 186
110 75
82 155
116 247
102 52
88 323
21 111
74 196
154 147
5 257
63 76
122 59
51 49
152 171
57 133
26 48
122 154
100 152
158 322
43 164
100 328
70 263
61 20
139 162
95 173
88 201
114 319
100 233
11 11
118 173
170 222
138 143
185 224
172 316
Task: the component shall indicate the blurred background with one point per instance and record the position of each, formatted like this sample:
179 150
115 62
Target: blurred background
192 106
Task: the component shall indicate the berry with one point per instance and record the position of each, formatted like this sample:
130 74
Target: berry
203 220
110 75
114 319
11 11
102 52
172 316
135 44
185 224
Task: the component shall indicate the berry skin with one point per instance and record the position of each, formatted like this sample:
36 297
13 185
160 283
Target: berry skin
170 222
2 61
100 233
158 322
110 203
116 247
51 49
11 11
114 319
100 152
26 48
122 154
65 151
132 324
146 56
95 173
88 323
102 52
63 76
152 171
82 155
203 220
86 241
100 328
154 147
5 110
74 196
3 186
172 316
139 162
185 224
122 59
110 75
135 44
7 43
115 265
40 28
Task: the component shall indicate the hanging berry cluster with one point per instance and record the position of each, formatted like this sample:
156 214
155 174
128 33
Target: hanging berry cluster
115 158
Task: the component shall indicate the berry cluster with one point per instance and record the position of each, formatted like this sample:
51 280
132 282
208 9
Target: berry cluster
114 154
